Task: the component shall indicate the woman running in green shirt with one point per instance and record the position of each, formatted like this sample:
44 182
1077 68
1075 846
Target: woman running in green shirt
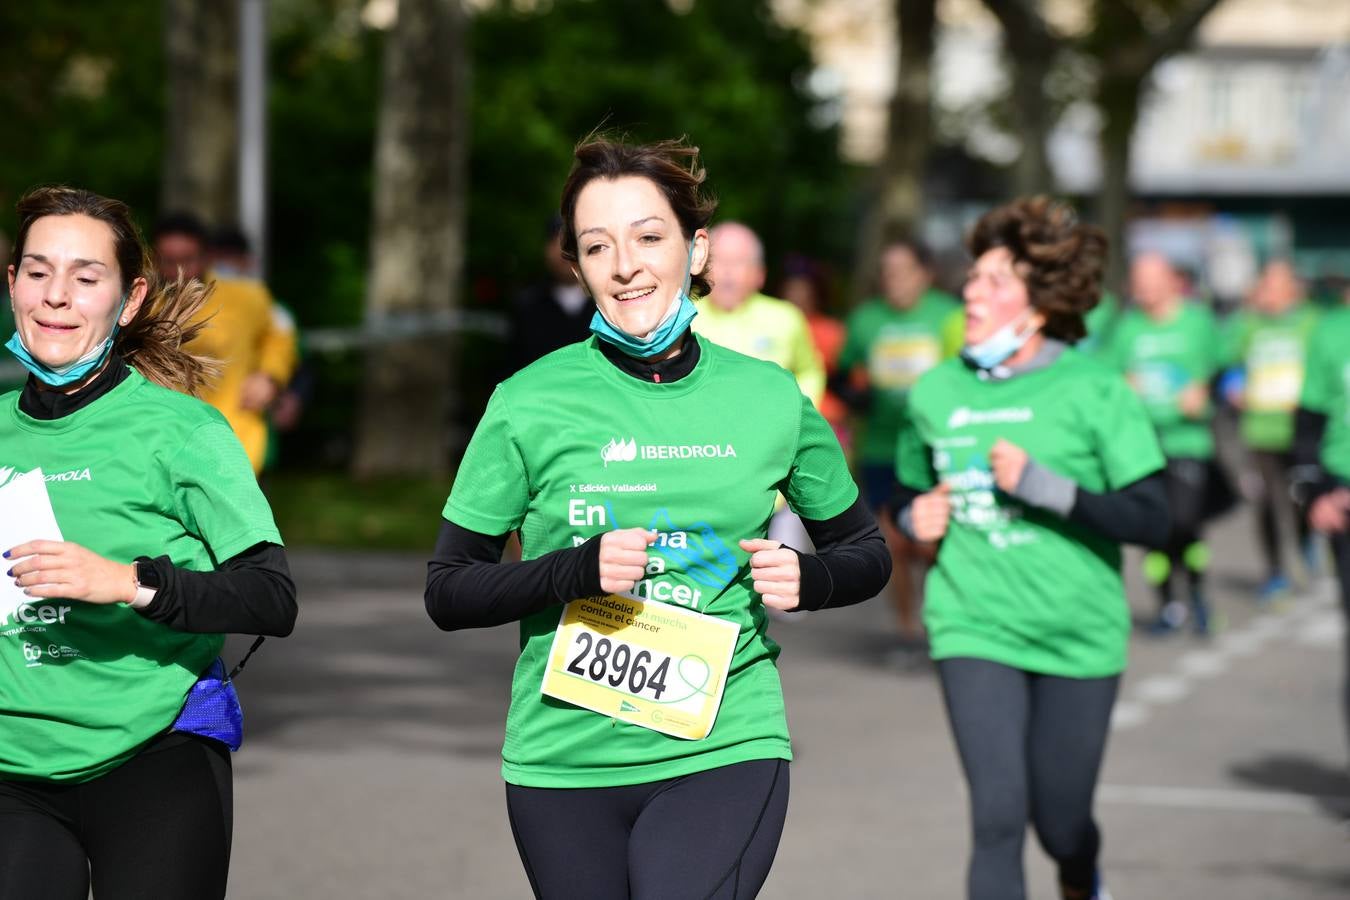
640 469
115 716
1030 463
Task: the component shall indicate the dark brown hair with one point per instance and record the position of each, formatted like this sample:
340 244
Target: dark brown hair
672 166
1058 257
153 340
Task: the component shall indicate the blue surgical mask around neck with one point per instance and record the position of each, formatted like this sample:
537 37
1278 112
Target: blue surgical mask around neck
72 372
1003 343
669 330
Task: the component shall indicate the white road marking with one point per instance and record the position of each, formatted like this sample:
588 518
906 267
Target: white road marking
1311 619
1161 689
1220 799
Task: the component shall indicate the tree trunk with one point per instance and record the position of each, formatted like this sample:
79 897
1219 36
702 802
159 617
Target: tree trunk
416 251
200 157
1118 99
1029 49
1035 118
899 202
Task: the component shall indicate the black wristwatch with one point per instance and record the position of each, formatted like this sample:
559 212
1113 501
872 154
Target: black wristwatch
147 581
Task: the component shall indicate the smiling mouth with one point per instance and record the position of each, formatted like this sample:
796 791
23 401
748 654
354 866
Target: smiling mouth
639 294
55 326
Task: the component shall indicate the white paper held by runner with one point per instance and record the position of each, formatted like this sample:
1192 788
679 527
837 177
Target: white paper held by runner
26 514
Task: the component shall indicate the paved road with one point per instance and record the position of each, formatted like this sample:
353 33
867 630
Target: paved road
371 768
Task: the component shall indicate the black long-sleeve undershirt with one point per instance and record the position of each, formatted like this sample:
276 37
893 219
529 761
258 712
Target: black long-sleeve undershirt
1136 514
1308 479
851 562
468 586
249 593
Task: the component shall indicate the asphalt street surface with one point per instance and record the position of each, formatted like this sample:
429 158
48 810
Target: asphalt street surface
371 766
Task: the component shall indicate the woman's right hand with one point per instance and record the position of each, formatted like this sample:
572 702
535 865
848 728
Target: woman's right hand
931 512
623 558
1329 511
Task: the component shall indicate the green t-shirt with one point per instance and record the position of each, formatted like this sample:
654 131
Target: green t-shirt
1271 350
1162 359
1326 389
1100 322
1013 583
895 347
571 447
142 471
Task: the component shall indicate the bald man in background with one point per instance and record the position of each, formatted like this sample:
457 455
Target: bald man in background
737 316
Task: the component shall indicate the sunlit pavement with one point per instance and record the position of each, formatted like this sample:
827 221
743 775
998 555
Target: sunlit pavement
371 767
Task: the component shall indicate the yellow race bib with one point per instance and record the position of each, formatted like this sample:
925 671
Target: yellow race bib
650 663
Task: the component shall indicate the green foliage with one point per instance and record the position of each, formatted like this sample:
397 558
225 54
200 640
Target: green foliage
324 92
86 95
332 510
84 100
725 74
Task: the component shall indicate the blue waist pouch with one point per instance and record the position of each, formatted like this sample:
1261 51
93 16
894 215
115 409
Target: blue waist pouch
212 708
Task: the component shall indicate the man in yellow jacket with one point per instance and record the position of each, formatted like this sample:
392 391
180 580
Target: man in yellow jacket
256 350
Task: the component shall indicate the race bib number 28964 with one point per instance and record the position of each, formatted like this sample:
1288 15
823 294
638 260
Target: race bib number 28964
649 663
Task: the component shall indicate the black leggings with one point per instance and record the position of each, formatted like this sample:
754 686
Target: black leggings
1340 550
1276 508
156 827
1031 747
707 836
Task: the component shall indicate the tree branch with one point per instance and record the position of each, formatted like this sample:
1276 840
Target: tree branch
1025 28
1181 29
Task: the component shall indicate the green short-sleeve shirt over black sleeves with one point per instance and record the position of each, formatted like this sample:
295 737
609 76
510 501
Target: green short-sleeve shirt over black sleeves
571 447
140 471
1013 583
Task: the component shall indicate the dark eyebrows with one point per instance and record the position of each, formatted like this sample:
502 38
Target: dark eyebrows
630 224
79 263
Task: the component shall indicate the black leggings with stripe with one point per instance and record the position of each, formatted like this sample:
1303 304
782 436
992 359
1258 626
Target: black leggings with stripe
158 826
707 836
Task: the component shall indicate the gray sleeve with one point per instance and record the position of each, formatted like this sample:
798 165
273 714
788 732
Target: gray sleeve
1039 486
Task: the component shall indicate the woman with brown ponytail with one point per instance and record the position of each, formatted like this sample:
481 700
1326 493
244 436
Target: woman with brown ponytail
115 711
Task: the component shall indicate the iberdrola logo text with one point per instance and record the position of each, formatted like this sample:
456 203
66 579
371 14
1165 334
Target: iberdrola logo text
627 450
8 474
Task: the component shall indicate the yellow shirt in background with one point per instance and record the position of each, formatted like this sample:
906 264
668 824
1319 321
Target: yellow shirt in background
770 329
246 337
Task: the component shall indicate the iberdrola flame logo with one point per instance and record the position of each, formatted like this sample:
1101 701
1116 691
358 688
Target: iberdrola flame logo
619 450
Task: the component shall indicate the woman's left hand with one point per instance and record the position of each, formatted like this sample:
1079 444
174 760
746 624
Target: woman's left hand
777 572
71 572
1008 461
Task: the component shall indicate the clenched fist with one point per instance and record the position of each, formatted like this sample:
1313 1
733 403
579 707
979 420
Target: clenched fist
1007 461
777 572
623 558
1330 511
931 512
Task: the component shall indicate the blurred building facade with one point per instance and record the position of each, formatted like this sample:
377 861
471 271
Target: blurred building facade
1241 148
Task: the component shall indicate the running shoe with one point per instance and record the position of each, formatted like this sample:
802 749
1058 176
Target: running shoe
1312 558
1202 623
1275 587
1099 891
1171 617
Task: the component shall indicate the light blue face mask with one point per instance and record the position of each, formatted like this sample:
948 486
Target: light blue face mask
1000 345
669 330
72 372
